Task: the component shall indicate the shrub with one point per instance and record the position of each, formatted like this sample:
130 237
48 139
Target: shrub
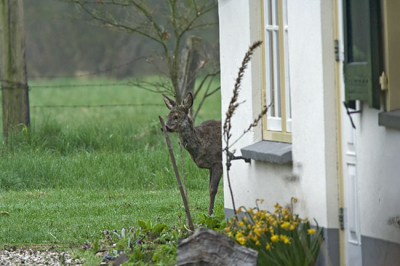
281 238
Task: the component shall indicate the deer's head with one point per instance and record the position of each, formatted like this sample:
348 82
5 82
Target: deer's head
178 117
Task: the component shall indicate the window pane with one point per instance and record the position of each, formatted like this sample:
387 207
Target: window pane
357 35
276 97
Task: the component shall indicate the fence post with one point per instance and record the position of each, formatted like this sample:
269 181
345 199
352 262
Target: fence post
14 88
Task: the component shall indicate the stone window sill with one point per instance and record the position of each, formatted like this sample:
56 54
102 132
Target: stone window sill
390 119
269 151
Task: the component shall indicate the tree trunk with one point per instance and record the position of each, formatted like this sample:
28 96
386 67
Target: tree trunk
208 247
190 59
14 88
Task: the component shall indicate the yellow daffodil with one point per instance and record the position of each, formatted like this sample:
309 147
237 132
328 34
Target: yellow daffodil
241 240
285 239
285 211
311 231
261 226
258 231
239 235
285 225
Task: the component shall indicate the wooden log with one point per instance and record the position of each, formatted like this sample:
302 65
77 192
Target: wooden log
208 247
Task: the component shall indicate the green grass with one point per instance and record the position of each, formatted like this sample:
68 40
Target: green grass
73 216
78 171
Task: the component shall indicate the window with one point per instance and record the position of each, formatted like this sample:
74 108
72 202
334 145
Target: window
363 63
277 123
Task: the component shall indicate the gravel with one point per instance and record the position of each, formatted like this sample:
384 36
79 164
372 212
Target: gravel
13 257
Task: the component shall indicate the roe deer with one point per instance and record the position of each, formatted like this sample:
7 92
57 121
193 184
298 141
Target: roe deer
203 142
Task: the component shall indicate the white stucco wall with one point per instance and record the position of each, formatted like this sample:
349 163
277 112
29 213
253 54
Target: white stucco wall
256 180
313 177
312 76
378 160
314 141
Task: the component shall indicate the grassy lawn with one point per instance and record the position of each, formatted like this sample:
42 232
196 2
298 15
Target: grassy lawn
81 170
74 216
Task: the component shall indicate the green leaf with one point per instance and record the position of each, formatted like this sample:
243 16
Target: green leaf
158 228
142 224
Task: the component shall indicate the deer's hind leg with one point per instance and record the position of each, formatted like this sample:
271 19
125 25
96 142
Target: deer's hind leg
215 177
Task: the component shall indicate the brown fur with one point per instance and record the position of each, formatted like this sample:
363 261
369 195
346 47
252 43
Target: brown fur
203 142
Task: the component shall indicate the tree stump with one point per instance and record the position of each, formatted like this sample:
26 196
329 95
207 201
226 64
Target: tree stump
208 247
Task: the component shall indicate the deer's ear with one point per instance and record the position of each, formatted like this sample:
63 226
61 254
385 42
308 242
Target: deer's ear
188 102
168 102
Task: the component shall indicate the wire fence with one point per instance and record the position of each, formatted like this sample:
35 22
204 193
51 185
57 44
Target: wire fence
127 84
95 106
10 84
94 73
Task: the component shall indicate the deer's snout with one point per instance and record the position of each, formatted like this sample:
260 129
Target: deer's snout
168 129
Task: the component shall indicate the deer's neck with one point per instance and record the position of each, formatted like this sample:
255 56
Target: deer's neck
189 138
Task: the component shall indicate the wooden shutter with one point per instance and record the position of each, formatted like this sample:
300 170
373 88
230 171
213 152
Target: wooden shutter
363 53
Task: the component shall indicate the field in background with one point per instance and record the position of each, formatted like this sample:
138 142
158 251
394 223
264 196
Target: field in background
80 170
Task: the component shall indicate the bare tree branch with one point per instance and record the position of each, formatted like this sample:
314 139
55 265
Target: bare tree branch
164 24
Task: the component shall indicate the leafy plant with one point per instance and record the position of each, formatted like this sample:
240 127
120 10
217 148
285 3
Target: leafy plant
148 244
280 237
216 221
153 243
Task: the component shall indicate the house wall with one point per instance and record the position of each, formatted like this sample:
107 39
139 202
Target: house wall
256 180
378 160
313 177
312 76
314 136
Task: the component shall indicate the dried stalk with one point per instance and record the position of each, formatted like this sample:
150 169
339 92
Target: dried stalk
233 105
178 179
183 171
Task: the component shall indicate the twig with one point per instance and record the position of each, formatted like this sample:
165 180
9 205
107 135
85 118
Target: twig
178 179
183 171
254 124
206 94
233 105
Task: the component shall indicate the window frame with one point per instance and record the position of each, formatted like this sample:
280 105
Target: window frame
391 54
276 128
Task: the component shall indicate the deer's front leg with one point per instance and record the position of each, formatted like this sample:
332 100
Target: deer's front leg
215 177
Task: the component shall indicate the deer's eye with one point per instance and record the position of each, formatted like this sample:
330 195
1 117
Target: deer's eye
176 117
